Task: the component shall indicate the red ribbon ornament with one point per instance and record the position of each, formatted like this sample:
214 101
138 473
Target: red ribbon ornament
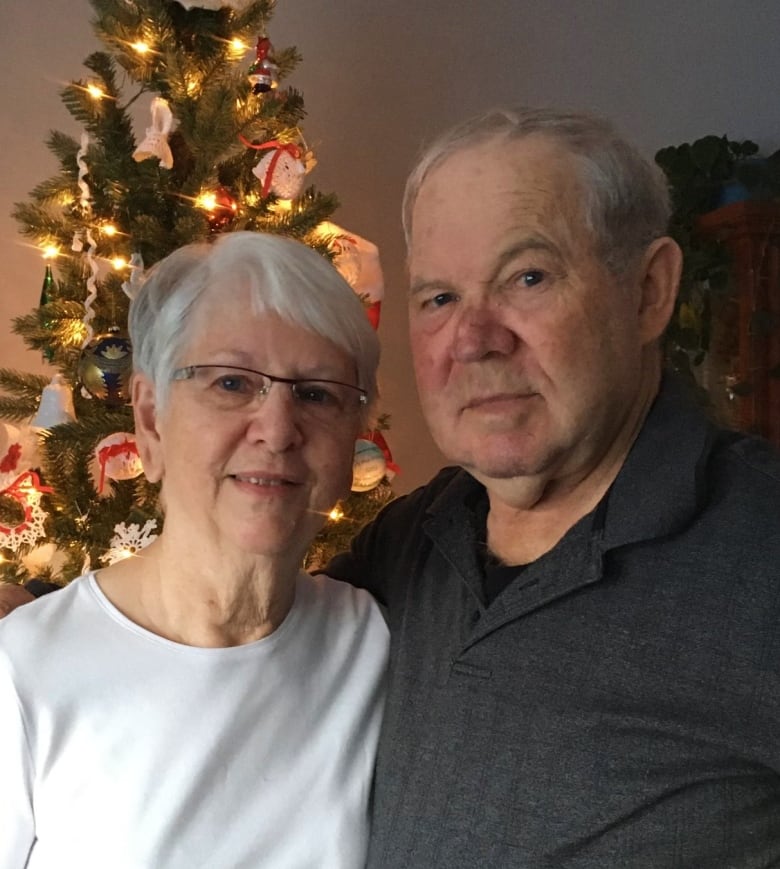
126 448
19 490
293 150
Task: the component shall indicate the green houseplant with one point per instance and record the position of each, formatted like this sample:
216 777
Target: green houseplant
704 175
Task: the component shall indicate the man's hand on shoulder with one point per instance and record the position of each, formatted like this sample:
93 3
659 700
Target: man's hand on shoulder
12 596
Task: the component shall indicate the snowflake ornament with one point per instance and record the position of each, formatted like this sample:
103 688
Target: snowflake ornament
129 540
27 490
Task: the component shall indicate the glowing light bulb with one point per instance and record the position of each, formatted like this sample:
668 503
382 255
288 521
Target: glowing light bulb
109 229
119 263
51 251
207 201
95 92
336 514
141 47
238 47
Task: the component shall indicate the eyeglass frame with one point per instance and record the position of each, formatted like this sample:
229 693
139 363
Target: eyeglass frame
187 372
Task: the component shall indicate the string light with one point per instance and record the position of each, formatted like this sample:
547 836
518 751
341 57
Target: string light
51 251
119 263
140 47
95 92
281 206
238 48
206 201
336 514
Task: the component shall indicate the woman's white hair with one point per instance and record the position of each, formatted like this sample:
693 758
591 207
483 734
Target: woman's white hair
283 276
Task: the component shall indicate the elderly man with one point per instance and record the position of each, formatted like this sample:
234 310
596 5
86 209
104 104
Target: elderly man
584 613
584 616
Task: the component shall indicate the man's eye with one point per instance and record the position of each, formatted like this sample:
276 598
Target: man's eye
529 278
439 300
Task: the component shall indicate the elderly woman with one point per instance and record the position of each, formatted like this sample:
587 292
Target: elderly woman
206 703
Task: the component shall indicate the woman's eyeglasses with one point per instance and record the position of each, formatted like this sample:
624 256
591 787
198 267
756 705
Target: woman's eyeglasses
230 387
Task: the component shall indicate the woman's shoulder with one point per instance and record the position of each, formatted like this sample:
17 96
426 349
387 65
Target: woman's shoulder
27 625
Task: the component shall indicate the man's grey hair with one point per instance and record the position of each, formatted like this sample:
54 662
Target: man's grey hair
626 197
283 276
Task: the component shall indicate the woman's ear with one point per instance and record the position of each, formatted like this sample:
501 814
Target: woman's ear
147 437
659 279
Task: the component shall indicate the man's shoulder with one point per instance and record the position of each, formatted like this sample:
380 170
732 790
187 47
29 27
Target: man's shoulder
743 475
754 458
449 484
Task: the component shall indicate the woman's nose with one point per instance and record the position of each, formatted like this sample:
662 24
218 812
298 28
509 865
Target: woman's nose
274 418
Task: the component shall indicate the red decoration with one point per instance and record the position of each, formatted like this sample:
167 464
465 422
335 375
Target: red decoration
224 210
10 460
375 436
263 71
295 151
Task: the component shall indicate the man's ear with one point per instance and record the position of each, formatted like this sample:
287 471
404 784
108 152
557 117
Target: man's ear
659 281
147 437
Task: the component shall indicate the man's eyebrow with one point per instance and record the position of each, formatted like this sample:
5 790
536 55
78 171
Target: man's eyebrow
421 286
530 243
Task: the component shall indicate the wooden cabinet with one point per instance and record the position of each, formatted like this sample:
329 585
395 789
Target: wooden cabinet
751 230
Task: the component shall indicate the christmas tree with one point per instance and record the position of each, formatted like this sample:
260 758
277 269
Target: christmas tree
223 151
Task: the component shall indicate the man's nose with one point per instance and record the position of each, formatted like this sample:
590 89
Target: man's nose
481 333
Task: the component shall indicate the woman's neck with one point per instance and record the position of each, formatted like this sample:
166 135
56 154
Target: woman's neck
200 601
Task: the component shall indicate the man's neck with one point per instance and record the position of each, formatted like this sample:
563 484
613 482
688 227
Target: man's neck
528 516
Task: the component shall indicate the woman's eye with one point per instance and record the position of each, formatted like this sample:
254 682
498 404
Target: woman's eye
312 393
233 383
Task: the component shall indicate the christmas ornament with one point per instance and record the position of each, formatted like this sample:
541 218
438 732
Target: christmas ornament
222 208
78 244
117 458
133 284
262 74
129 540
357 260
105 367
368 466
56 405
156 142
27 490
282 171
376 437
47 294
18 451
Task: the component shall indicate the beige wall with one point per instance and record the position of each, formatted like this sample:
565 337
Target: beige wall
379 78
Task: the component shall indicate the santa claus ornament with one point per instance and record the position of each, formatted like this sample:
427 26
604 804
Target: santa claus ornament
263 73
